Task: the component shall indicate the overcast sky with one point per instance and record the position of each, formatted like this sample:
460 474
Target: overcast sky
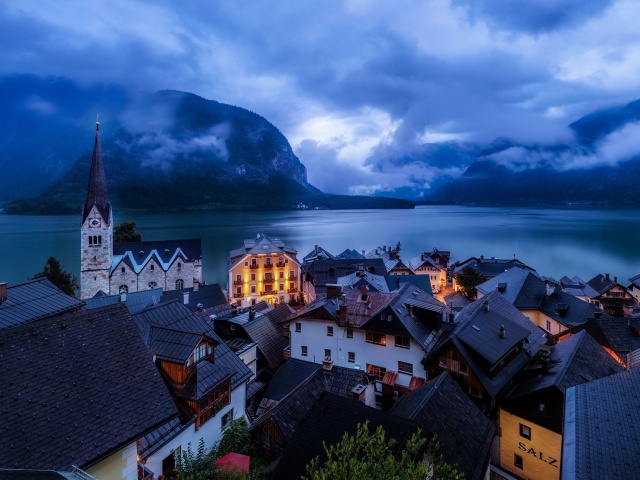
348 81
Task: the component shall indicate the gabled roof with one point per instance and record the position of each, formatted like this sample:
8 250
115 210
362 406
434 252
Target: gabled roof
97 188
318 253
88 389
266 331
323 272
35 300
173 345
576 360
600 284
327 420
614 333
164 252
350 254
395 282
490 267
423 259
261 245
440 407
635 281
380 252
207 296
600 435
522 287
568 310
357 279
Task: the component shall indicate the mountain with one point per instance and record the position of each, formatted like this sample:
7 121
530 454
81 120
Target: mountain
167 151
601 167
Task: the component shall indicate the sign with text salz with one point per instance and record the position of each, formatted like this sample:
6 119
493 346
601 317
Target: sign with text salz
539 455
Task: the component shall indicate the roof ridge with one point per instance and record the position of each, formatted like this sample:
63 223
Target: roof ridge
571 356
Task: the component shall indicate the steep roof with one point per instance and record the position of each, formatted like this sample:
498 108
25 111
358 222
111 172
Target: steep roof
356 279
522 287
600 435
266 331
323 272
35 300
568 310
490 267
440 407
292 374
262 244
137 255
316 254
395 282
351 254
207 296
87 388
135 301
614 333
423 259
97 188
599 285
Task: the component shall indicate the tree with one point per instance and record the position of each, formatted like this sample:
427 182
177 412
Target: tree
62 279
468 279
126 232
236 438
367 456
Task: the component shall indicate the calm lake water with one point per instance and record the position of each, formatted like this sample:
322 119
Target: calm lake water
556 242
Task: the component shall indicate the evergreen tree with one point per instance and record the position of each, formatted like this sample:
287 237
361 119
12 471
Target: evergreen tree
126 232
468 279
62 279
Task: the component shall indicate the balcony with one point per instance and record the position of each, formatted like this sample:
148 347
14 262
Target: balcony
281 264
237 282
238 295
292 290
215 407
268 265
268 292
286 353
269 279
253 266
292 277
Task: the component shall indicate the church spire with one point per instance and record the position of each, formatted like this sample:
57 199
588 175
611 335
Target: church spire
97 190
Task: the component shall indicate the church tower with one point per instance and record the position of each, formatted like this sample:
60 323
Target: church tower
97 229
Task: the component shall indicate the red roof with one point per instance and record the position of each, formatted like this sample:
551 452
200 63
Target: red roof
234 461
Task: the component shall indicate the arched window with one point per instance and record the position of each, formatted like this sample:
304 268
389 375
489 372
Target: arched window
90 240
179 284
95 240
123 289
152 285
100 240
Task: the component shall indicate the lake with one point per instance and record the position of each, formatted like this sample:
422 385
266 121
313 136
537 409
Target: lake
556 242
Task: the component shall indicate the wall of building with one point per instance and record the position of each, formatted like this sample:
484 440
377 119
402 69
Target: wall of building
540 319
313 335
95 260
121 465
187 272
540 454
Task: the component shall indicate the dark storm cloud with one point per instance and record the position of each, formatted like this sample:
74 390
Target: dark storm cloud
534 16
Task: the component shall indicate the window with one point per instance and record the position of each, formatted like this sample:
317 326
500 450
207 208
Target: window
377 371
281 275
298 327
122 270
268 264
152 285
268 277
517 461
152 267
292 286
253 277
123 289
406 368
377 338
99 239
549 325
327 353
169 462
463 369
329 331
253 289
525 432
254 262
179 265
246 264
403 342
179 284
281 287
292 274
226 419
199 353
349 332
238 291
352 357
303 351
238 277
90 240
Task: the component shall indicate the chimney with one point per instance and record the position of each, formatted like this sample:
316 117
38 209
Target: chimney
333 289
3 291
615 279
234 309
363 253
342 309
196 285
486 305
411 310
481 258
503 332
186 298
252 313
606 275
544 361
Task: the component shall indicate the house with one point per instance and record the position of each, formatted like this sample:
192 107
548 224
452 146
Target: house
434 264
204 376
384 334
127 267
608 295
634 288
362 278
396 282
441 408
263 269
290 395
486 349
351 254
321 273
532 416
574 286
489 267
84 395
318 253
391 258
609 446
34 300
204 300
552 309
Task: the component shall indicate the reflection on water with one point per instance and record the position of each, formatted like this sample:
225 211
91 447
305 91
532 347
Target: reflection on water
555 241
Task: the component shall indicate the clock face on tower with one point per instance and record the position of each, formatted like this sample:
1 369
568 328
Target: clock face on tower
94 222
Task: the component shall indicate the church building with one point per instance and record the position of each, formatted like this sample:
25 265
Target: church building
128 267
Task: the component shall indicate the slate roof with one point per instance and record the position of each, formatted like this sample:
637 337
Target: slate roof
207 296
614 333
635 281
292 374
328 418
378 283
490 267
440 407
138 254
522 287
83 384
18 474
268 334
568 310
317 253
135 301
34 300
97 188
323 272
600 434
395 282
261 245
456 301
173 345
600 284
350 254
423 259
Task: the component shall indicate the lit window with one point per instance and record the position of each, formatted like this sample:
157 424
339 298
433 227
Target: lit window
199 353
253 277
548 325
403 342
179 284
303 351
517 461
377 338
349 332
406 368
525 432
123 289
352 357
281 287
253 289
238 278
329 331
281 275
379 372
327 353
298 327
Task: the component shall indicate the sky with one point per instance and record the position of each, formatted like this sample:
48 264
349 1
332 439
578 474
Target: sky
355 84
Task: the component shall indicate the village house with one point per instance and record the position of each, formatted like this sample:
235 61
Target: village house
531 418
486 349
263 269
113 268
83 397
384 334
634 288
488 267
608 294
204 376
435 265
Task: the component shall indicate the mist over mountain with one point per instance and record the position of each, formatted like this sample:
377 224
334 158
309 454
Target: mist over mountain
164 151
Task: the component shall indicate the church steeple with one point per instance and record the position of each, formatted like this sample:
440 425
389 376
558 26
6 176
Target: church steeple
97 190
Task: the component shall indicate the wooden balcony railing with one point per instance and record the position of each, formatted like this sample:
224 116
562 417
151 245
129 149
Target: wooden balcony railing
238 295
292 277
237 282
292 290
280 264
268 292
268 265
269 279
253 266
215 407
